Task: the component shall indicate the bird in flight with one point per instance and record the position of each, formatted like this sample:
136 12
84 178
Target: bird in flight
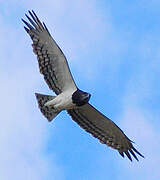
55 70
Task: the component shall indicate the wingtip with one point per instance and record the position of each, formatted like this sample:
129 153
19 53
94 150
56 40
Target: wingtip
34 13
137 152
26 15
121 153
133 154
27 24
128 155
27 30
130 152
22 20
31 12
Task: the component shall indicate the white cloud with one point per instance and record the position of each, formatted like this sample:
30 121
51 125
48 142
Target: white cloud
79 28
139 121
140 116
138 126
84 33
23 135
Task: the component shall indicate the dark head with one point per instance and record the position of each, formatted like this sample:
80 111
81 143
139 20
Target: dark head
80 98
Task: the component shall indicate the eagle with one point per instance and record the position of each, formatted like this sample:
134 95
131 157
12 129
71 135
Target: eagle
54 67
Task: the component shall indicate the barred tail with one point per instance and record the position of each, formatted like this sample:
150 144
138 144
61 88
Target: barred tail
48 112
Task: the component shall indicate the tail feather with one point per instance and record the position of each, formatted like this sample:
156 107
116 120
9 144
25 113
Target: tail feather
48 112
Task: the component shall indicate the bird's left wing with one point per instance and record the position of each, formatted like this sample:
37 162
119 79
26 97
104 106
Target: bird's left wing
104 129
52 62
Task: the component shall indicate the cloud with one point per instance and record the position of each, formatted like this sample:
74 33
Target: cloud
99 50
140 117
85 34
138 126
23 135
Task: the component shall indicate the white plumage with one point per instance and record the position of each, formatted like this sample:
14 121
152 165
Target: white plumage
62 101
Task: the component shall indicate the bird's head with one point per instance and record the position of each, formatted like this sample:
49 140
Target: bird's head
80 98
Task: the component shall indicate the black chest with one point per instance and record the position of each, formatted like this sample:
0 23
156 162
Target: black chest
80 98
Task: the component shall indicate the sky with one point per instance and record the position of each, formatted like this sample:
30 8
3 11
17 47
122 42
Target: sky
113 50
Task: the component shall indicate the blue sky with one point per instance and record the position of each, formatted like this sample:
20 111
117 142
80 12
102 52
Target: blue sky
113 49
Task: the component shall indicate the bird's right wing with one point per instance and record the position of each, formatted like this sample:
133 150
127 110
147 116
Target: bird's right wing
104 129
52 62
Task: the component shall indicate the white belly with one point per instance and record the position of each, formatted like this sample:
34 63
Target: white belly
62 101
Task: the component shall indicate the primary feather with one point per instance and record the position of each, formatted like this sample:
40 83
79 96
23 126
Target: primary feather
52 62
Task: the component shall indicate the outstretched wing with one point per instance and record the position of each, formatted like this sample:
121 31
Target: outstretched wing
52 62
104 129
